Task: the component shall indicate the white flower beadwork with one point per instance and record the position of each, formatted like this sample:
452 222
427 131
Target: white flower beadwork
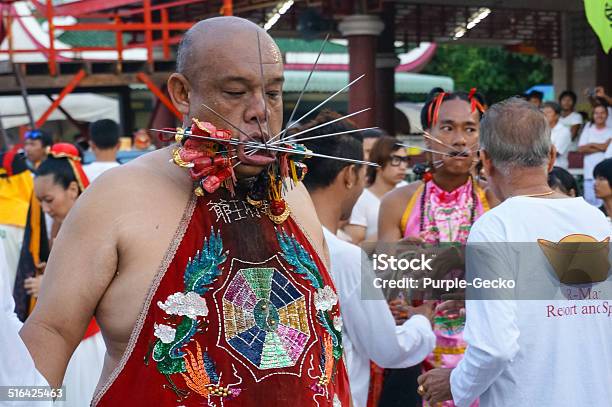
338 323
337 402
190 304
165 333
325 298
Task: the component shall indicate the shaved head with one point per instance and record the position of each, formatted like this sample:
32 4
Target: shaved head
232 66
205 38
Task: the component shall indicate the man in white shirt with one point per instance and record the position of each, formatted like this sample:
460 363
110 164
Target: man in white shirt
526 352
560 135
369 330
569 118
104 142
594 141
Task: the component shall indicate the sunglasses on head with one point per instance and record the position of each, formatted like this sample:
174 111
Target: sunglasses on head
33 134
397 160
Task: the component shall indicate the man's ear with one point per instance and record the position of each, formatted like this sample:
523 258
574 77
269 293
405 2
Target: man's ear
349 176
179 90
487 163
552 157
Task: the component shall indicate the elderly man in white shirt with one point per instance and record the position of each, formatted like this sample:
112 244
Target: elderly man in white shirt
529 351
369 329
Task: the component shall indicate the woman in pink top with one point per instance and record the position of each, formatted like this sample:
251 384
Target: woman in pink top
444 205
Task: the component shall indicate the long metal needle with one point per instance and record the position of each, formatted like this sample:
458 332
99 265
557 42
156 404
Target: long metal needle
261 146
425 149
263 91
318 106
290 121
300 140
293 136
226 120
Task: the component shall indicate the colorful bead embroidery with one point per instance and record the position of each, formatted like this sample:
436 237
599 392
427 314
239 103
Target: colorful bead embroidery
170 350
203 379
338 323
265 318
325 297
165 333
190 305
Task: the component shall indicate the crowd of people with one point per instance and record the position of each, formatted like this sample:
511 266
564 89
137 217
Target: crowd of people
41 182
209 273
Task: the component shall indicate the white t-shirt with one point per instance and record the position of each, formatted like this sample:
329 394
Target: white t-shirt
369 330
609 151
365 213
519 353
571 119
561 137
592 134
96 168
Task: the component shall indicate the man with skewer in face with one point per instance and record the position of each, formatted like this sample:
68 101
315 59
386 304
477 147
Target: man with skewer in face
443 205
204 262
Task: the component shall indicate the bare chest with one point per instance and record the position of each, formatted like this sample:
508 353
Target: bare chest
146 233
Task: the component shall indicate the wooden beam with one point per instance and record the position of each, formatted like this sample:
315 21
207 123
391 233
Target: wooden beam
148 33
52 65
124 26
163 6
228 8
82 7
160 95
165 35
66 91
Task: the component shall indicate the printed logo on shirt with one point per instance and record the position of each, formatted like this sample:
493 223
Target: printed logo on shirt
578 258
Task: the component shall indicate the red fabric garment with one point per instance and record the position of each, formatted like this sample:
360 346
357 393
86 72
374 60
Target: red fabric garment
377 379
259 340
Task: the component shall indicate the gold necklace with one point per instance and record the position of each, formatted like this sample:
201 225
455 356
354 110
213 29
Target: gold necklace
536 195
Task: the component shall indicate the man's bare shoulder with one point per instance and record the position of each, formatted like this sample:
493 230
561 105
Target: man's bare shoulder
140 177
304 212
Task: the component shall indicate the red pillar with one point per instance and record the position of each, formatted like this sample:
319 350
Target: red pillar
386 61
362 32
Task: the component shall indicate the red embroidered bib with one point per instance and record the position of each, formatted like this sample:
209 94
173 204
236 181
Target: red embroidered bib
241 313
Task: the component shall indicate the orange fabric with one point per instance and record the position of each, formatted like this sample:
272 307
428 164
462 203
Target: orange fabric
35 220
69 151
377 379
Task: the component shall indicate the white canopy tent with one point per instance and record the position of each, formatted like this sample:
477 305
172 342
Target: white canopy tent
85 107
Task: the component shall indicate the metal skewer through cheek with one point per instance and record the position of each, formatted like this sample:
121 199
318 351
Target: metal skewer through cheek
251 152
261 146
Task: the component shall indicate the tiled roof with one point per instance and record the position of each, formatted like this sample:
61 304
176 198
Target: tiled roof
90 38
107 39
300 45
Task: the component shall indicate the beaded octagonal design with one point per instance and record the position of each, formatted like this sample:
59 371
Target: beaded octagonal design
265 318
